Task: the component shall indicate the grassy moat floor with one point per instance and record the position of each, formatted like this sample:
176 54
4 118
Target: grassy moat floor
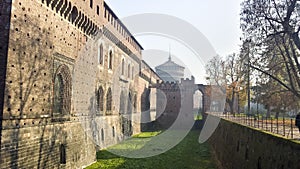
188 154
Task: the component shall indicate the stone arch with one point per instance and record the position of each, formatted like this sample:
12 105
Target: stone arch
198 98
62 90
145 102
202 91
205 90
145 123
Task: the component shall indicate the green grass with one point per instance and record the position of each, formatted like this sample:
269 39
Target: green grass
187 154
197 116
146 134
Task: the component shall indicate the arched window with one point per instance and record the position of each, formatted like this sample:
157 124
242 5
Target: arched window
110 64
109 100
128 73
98 10
100 54
58 94
123 66
62 91
99 97
91 3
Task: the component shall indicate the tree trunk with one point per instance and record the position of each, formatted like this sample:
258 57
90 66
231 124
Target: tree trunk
268 112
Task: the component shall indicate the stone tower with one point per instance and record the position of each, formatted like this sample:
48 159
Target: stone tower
170 71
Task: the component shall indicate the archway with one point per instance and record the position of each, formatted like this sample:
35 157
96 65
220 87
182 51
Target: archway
145 110
198 104
62 91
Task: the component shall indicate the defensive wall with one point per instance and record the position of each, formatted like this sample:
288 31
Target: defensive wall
242 147
64 67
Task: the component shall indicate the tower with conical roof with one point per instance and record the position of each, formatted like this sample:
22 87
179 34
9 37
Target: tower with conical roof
170 71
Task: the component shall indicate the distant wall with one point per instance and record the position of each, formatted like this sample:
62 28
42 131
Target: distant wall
240 147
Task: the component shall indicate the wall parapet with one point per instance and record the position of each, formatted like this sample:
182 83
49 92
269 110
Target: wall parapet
238 146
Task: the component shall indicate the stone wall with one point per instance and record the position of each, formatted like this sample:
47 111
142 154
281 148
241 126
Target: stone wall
240 147
51 116
5 15
40 146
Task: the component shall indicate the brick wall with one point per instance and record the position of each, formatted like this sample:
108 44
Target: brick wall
43 38
5 13
238 146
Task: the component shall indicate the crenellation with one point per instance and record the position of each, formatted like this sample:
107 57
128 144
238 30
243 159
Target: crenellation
113 22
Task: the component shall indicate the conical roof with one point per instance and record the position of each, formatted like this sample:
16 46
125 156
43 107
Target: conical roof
169 63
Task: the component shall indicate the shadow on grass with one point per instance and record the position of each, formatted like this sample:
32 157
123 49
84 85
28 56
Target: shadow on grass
104 154
188 154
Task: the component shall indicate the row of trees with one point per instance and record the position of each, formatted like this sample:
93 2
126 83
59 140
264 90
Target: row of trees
270 52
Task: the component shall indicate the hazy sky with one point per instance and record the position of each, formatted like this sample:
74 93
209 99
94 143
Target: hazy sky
217 20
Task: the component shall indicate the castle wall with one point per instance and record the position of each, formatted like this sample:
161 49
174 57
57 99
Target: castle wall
174 98
52 42
5 7
239 146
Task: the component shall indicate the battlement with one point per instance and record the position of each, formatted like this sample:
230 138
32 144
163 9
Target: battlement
175 86
188 81
74 14
110 18
169 86
90 17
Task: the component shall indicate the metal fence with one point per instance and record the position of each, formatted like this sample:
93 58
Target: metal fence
282 126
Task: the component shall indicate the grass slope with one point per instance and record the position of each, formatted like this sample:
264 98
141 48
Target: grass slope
188 154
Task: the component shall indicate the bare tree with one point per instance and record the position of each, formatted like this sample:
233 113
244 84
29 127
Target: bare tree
235 79
229 75
215 71
274 25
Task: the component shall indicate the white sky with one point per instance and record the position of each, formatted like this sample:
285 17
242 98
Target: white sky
217 20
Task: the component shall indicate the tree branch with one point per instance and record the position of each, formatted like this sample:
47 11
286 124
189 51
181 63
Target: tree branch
276 79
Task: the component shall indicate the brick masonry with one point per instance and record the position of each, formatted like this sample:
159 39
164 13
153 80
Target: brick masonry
52 37
248 148
173 97
74 83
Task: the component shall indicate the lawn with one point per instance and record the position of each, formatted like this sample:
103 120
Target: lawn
187 154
